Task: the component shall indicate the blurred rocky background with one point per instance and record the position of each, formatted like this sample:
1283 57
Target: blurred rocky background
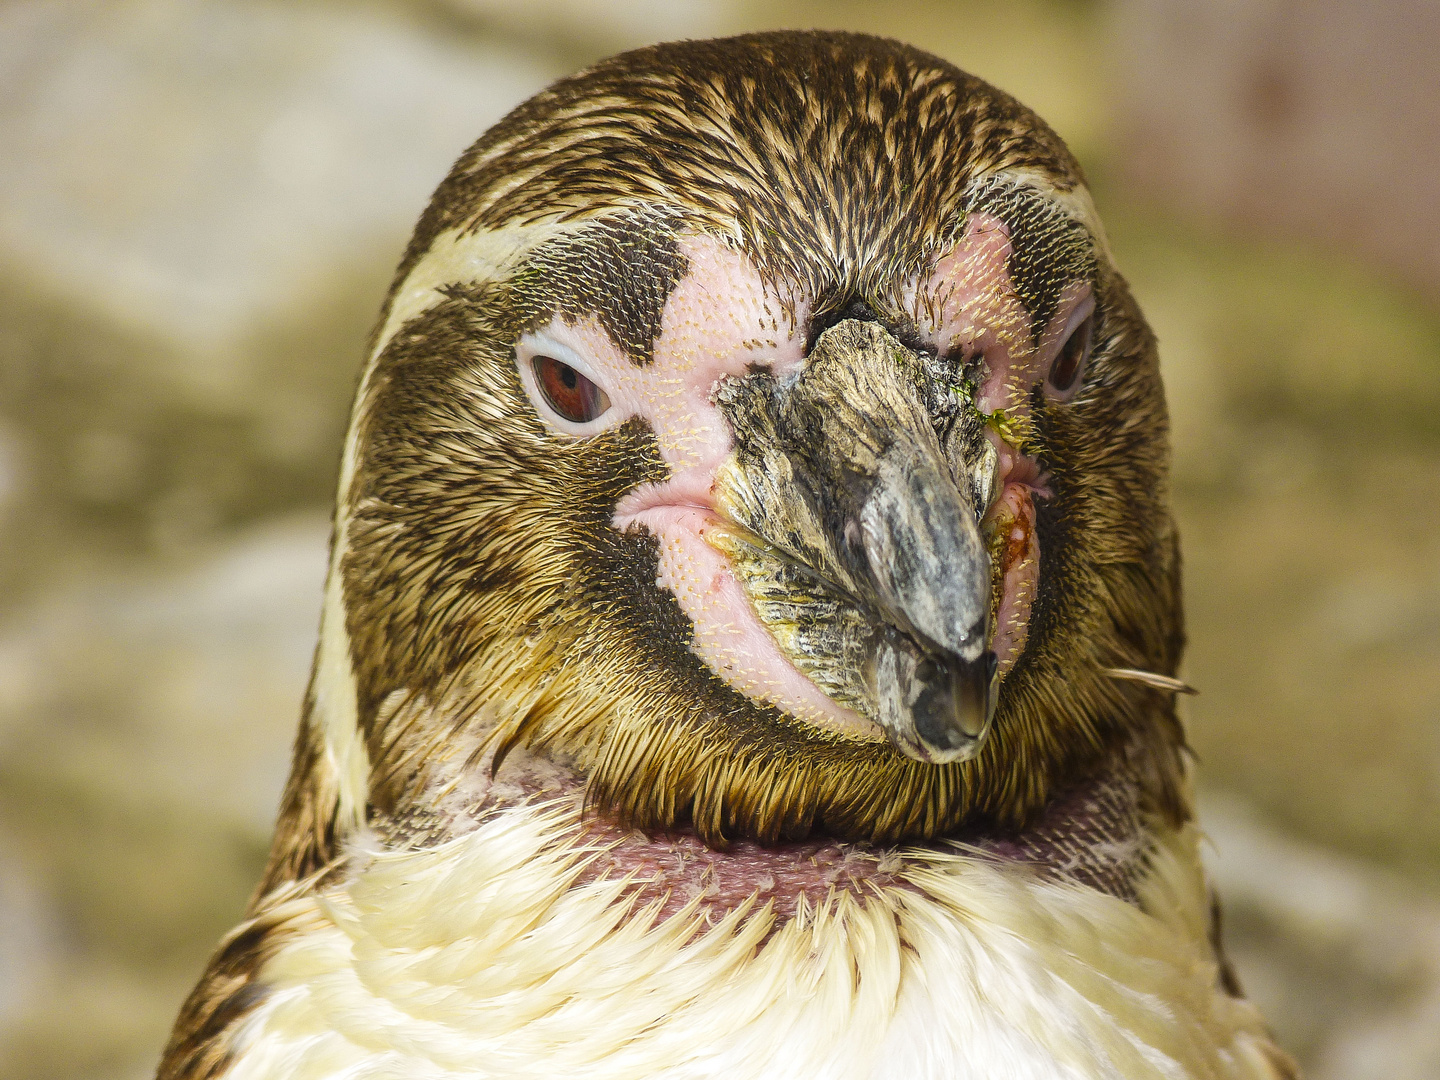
201 202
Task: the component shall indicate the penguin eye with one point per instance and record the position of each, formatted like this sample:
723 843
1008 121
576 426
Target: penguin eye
1069 362
570 394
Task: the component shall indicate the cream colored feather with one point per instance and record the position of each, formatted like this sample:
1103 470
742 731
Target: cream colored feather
484 958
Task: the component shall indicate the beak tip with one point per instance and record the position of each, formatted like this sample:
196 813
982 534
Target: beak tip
948 708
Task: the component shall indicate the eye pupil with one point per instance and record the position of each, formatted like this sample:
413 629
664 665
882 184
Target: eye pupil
1071 358
569 393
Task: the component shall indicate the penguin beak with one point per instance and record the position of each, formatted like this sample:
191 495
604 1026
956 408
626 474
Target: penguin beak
840 487
929 572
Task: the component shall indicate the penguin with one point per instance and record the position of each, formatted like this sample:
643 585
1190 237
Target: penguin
751 634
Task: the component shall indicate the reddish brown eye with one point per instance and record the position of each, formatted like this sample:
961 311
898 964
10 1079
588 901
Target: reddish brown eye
1070 360
568 392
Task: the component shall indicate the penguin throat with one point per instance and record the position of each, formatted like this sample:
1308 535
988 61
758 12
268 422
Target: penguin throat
1091 834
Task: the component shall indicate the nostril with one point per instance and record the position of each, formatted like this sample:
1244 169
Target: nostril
979 630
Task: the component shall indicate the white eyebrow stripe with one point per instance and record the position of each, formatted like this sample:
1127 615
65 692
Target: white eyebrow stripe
455 258
460 257
1078 203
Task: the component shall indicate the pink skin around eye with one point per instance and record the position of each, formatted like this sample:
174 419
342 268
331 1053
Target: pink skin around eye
969 306
719 322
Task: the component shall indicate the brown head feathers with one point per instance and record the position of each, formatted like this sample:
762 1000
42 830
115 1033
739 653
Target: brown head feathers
488 600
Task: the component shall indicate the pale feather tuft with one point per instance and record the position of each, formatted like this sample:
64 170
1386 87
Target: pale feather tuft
487 956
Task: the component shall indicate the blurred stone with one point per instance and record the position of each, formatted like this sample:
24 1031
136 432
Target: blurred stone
1342 956
27 939
193 169
1314 118
600 28
145 729
184 690
201 203
12 469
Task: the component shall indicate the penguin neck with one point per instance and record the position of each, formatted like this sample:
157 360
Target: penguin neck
1093 833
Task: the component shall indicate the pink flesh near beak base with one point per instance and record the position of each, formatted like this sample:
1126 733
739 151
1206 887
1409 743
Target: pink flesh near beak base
720 322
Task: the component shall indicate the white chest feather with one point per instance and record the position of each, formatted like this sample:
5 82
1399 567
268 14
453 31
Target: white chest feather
479 959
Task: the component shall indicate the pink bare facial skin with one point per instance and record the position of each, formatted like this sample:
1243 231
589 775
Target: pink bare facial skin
967 306
721 321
